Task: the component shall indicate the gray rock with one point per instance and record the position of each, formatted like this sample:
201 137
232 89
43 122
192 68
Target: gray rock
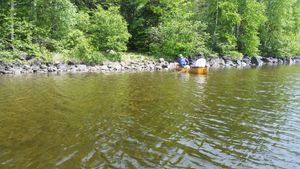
275 60
297 60
8 66
158 67
56 63
229 63
63 67
289 61
93 69
243 64
24 56
115 66
104 67
72 69
43 66
35 69
36 62
257 61
6 72
26 67
280 61
161 60
172 66
42 71
52 69
127 67
238 62
82 68
267 60
165 65
217 62
71 62
111 52
138 68
2 71
123 64
246 60
17 71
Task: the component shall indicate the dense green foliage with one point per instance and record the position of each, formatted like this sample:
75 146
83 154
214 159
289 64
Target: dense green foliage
88 29
108 30
175 36
279 33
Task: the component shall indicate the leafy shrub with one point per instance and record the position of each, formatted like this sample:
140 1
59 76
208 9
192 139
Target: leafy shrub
56 18
108 30
234 55
176 36
83 21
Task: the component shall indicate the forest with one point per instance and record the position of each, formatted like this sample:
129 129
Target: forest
89 30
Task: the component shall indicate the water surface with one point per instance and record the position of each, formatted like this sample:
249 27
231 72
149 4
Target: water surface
229 119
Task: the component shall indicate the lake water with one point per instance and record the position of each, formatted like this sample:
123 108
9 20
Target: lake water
248 118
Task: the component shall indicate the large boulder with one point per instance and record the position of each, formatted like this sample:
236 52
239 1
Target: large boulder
246 60
71 62
35 68
161 60
280 61
217 62
267 60
26 67
158 67
257 61
289 61
238 62
52 68
43 66
62 67
297 59
24 56
229 63
35 62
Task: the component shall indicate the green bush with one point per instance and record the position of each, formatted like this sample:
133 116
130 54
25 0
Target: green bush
108 30
79 46
234 54
25 40
175 36
56 17
83 21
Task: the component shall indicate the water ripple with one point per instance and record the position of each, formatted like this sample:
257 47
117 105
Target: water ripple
228 119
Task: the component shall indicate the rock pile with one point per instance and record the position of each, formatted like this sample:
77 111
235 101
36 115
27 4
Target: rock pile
138 65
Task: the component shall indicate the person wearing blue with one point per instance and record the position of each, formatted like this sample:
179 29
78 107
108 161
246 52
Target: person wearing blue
182 61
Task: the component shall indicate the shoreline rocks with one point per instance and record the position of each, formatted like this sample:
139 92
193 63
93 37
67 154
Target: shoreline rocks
134 66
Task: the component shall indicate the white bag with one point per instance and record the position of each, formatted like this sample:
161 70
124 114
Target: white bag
200 63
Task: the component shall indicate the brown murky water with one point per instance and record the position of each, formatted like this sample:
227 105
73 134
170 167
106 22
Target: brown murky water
229 119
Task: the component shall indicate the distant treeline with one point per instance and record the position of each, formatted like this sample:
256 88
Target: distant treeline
88 29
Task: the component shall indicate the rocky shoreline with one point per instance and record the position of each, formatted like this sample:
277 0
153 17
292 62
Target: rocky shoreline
37 67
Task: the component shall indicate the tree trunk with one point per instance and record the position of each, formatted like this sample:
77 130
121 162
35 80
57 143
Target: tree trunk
216 22
34 13
12 31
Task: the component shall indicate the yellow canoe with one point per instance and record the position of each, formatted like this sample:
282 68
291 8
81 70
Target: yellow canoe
193 70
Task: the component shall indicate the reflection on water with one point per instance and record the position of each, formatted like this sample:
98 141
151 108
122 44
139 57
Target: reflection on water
227 119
